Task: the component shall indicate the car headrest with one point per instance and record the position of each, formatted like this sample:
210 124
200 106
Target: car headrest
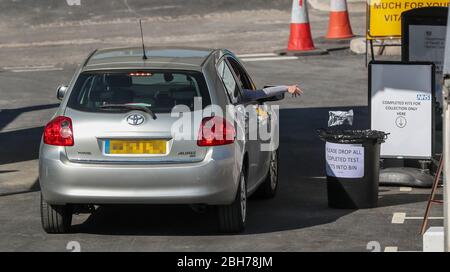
118 81
100 96
123 96
184 93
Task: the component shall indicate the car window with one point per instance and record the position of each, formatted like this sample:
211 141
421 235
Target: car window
230 83
158 90
243 78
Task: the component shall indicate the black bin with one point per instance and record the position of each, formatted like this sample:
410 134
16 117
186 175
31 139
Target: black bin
352 166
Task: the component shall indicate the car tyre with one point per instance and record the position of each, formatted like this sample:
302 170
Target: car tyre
232 217
268 189
56 218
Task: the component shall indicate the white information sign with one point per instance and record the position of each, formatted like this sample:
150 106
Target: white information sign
427 43
344 160
401 104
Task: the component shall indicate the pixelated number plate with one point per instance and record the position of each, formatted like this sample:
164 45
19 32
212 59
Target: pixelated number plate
136 147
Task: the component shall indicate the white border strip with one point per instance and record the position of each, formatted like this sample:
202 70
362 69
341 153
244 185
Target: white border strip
270 59
399 218
257 55
28 67
36 70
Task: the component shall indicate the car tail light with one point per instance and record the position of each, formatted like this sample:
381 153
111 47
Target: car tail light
59 132
216 131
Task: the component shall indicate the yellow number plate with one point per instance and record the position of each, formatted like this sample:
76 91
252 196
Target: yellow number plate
136 147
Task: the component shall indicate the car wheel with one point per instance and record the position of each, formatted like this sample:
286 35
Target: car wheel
268 188
56 218
232 217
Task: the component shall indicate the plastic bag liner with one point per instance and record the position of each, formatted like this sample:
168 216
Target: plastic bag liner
352 136
338 118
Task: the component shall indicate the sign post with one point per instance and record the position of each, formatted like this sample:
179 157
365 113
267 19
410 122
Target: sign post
446 140
446 153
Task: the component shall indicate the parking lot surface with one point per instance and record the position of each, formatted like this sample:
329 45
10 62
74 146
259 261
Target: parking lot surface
44 51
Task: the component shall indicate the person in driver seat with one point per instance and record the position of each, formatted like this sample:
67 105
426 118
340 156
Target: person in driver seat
294 90
272 91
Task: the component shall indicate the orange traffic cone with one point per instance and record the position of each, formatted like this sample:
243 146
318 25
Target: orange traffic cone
339 25
300 38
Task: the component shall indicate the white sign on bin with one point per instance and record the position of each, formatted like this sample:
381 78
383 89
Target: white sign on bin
344 160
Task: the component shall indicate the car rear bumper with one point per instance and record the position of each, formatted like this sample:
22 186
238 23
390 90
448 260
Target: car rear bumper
213 181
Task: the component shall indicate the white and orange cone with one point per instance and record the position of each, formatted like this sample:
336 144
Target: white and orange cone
300 38
339 25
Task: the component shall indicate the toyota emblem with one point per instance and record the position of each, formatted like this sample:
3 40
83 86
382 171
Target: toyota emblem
135 119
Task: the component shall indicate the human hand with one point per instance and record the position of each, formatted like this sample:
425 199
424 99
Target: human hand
295 90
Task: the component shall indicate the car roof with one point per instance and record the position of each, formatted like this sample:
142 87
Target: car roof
183 58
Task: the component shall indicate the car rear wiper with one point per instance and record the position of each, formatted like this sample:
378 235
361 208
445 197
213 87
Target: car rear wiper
141 107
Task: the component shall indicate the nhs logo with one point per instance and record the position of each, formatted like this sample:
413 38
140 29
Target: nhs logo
73 2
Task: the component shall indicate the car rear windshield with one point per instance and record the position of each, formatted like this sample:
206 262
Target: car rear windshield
160 91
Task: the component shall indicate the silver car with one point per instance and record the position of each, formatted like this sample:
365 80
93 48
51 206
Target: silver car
115 138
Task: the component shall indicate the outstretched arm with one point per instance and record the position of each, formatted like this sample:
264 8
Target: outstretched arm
272 91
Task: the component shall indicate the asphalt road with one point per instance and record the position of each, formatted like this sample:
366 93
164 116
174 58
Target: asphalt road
52 33
40 46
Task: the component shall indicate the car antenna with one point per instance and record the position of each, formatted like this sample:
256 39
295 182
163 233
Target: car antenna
144 56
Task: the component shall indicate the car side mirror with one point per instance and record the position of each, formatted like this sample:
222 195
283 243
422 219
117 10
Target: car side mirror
61 91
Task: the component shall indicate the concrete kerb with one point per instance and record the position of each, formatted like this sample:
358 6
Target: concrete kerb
333 45
305 53
358 46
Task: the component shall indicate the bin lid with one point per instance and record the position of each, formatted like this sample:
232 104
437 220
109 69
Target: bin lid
352 136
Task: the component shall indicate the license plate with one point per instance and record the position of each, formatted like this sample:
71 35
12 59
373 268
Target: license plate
136 147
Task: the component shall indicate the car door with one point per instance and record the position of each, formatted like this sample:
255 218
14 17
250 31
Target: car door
261 122
236 98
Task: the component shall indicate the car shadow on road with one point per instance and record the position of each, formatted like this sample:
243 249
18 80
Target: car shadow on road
22 144
35 187
9 115
300 203
389 200
8 171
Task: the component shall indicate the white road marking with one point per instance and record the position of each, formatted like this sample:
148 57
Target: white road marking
28 67
31 68
405 189
399 218
51 43
36 70
257 55
270 58
391 249
421 218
